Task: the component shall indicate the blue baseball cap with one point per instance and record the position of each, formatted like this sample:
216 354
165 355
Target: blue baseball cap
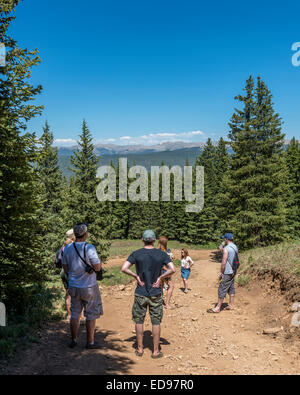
228 236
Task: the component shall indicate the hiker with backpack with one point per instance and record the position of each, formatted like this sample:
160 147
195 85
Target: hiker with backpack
70 238
229 267
81 263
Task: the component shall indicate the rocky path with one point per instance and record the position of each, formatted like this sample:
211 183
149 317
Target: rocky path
193 342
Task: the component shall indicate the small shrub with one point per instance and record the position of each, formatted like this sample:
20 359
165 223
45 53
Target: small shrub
243 280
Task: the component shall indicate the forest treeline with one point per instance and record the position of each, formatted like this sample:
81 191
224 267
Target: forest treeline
253 192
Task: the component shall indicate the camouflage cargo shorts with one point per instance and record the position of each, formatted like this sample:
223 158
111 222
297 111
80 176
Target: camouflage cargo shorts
140 306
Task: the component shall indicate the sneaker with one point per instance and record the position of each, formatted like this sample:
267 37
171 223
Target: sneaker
186 291
72 344
94 346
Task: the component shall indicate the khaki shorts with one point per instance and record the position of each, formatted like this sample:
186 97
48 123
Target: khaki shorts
140 306
88 299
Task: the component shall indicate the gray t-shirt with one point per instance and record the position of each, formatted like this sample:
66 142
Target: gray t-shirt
232 250
77 275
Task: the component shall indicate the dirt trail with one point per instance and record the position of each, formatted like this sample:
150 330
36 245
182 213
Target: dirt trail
193 342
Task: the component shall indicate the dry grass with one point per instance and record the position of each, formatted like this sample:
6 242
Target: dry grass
280 262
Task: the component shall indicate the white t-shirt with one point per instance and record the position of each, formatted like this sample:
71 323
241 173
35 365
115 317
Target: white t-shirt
77 275
186 262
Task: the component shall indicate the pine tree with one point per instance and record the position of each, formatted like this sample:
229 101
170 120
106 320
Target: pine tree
222 167
20 245
51 179
292 158
120 212
140 211
222 161
201 226
254 189
83 203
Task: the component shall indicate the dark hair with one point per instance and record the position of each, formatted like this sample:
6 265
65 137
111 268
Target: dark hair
149 242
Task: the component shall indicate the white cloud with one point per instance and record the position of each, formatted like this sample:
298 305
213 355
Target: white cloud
195 133
63 142
163 137
146 139
125 138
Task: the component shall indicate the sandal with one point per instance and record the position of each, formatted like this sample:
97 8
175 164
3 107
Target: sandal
212 311
159 355
95 346
139 354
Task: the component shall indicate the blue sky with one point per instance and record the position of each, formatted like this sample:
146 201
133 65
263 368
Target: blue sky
150 71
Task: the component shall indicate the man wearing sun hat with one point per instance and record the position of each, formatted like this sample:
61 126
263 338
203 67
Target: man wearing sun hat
148 262
227 273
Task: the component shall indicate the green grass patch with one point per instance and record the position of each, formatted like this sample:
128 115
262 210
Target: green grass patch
123 248
114 276
177 262
243 280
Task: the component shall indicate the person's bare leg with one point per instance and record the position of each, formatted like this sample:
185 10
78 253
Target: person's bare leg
231 302
185 284
219 305
90 330
139 328
156 338
169 294
74 325
68 304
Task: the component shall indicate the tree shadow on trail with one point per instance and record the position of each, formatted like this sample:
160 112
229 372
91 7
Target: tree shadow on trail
148 341
51 356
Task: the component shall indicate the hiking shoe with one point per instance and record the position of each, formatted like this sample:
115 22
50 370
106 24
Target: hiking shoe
95 346
72 344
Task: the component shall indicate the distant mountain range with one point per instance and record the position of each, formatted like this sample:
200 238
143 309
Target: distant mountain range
171 153
113 149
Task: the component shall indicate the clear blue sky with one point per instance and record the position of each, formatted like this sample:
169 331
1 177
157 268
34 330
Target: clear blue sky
158 68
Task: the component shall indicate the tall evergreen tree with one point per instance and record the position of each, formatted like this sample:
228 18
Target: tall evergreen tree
254 189
120 211
292 158
53 227
222 167
201 226
83 203
20 245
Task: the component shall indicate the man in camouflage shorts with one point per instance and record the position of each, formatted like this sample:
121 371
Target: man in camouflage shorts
148 294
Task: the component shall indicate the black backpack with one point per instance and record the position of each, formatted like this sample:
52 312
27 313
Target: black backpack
58 258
